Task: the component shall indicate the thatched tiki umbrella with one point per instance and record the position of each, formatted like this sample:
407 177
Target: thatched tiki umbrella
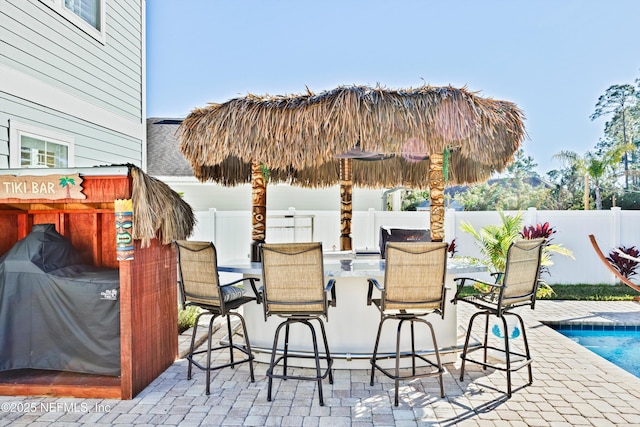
298 135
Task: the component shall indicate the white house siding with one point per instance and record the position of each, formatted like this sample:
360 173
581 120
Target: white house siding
55 76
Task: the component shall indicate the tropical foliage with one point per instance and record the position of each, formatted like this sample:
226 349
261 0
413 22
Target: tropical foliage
627 267
600 167
494 241
604 176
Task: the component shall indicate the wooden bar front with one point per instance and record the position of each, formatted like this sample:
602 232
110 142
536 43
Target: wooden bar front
148 293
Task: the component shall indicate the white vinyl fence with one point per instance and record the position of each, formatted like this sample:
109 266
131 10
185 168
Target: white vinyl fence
231 233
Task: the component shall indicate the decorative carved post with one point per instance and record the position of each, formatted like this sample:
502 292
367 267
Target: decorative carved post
346 209
258 210
436 192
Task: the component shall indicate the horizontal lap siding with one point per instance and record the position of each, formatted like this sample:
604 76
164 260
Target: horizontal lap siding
39 42
94 145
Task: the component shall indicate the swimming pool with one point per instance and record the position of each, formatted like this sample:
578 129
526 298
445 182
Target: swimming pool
617 344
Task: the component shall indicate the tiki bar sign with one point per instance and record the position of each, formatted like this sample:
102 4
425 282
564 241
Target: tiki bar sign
50 187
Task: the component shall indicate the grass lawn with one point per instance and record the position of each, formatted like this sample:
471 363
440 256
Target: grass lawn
592 292
583 292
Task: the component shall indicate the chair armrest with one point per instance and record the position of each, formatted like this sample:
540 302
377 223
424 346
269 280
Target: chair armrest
331 287
461 283
497 276
252 282
373 282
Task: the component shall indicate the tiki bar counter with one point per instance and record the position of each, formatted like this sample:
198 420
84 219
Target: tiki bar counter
87 280
352 325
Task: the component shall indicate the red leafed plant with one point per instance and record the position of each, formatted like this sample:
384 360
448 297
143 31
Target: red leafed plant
452 249
627 267
545 231
536 231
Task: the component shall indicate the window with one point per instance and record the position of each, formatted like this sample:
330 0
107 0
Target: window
38 148
87 15
88 10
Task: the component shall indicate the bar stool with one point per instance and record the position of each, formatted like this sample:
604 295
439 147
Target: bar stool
294 290
200 287
413 288
517 287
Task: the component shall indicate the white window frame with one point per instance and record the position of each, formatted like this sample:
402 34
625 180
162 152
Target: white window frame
59 7
17 130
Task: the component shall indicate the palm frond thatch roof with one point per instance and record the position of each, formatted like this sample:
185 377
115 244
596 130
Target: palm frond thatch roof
158 211
298 134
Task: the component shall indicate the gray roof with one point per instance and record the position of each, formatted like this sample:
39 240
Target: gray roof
164 157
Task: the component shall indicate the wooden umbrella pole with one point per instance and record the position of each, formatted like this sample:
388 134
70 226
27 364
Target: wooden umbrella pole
346 208
436 193
258 209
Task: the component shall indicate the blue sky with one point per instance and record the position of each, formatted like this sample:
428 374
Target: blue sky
553 58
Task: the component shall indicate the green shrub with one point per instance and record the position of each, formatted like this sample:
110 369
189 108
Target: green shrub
582 292
187 318
600 292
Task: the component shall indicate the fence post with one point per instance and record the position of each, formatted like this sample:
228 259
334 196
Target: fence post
371 225
615 226
449 225
532 216
212 224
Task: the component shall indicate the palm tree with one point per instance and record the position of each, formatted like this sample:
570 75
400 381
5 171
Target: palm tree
595 166
618 100
66 182
494 240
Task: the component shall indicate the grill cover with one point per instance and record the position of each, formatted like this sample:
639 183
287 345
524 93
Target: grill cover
56 312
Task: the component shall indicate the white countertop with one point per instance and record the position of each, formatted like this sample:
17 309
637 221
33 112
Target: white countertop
343 265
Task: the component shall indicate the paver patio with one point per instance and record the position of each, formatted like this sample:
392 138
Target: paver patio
572 387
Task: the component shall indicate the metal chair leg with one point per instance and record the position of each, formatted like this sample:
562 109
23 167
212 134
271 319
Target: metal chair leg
319 376
208 367
413 349
230 334
438 360
509 366
486 338
193 342
526 348
286 349
273 359
326 351
314 339
397 366
375 351
247 344
507 354
465 349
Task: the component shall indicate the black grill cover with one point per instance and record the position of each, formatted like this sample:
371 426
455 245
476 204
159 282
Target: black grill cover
56 312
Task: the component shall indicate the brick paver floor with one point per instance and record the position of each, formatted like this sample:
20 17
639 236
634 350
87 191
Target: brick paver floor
572 387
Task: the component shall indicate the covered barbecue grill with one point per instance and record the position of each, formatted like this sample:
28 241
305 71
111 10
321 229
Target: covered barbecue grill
56 312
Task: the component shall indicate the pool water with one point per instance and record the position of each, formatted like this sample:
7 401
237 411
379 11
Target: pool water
617 344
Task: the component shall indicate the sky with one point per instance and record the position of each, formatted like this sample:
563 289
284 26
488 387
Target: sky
552 58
